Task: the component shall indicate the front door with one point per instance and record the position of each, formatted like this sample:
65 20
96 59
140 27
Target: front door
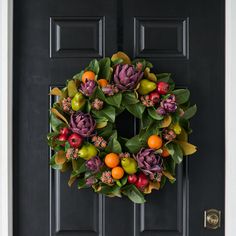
53 40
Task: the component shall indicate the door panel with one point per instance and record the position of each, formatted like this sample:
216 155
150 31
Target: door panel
53 40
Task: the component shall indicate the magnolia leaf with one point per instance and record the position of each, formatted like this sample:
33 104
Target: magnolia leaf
152 185
72 88
129 98
94 66
169 176
136 109
183 136
55 123
166 122
182 95
56 92
100 125
152 112
114 100
133 144
190 112
133 194
121 55
105 65
175 151
60 157
71 180
188 148
59 115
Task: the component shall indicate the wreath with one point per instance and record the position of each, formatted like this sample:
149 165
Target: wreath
84 139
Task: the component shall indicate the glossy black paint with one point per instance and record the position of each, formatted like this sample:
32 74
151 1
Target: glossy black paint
55 39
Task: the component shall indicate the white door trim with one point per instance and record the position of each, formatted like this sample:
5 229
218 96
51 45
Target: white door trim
6 190
230 118
6 18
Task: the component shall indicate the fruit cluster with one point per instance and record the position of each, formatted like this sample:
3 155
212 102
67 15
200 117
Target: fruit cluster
84 139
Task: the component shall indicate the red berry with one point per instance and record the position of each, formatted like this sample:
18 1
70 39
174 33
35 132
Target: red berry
64 131
163 88
154 97
132 179
62 138
75 140
142 181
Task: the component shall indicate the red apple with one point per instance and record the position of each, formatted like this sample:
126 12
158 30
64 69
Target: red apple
142 181
154 97
62 138
132 179
64 131
75 140
163 88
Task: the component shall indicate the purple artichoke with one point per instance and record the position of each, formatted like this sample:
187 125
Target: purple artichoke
82 124
126 77
88 87
94 164
149 163
169 104
161 111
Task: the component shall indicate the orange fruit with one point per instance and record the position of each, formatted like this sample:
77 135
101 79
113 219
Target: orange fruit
89 75
112 160
165 152
117 172
154 141
102 82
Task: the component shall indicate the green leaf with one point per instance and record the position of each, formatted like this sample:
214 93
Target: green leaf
109 112
105 65
133 194
182 95
175 152
136 109
98 93
152 112
129 98
133 144
114 100
78 76
55 123
117 61
82 183
93 66
146 120
113 144
190 112
53 163
107 131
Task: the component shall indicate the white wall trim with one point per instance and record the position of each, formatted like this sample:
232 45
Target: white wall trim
6 16
230 117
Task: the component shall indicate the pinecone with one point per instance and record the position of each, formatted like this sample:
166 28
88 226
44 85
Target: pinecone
99 142
107 178
168 134
66 105
146 101
97 104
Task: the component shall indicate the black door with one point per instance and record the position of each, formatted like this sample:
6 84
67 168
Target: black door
55 39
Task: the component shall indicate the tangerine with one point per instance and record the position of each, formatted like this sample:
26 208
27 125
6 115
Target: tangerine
117 172
154 141
102 82
112 160
165 152
88 75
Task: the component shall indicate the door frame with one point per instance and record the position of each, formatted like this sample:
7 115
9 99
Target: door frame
6 106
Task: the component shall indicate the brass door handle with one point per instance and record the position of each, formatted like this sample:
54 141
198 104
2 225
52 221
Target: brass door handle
212 219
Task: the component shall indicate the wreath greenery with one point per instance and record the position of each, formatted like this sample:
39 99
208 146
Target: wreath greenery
84 139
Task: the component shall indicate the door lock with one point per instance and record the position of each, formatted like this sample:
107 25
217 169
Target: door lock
212 219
